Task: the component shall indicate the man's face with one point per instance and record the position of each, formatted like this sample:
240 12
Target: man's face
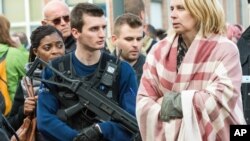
92 36
129 41
58 17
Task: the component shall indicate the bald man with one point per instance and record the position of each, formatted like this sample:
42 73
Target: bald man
57 14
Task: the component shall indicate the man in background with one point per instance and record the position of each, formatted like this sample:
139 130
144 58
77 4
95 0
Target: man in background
127 39
137 7
243 46
23 39
56 13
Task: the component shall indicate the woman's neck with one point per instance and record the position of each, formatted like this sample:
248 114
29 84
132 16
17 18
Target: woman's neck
189 38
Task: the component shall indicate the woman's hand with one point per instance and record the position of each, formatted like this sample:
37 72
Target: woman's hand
29 105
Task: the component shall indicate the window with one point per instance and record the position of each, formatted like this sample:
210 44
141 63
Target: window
23 15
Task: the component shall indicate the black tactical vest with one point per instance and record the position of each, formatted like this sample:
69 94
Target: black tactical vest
67 98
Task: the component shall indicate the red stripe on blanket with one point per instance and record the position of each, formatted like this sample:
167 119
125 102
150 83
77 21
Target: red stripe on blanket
205 49
166 84
193 77
208 130
171 60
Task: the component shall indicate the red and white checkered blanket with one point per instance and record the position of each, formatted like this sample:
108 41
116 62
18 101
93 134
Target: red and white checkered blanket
209 81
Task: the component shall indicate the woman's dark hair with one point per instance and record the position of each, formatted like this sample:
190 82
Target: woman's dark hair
5 37
37 35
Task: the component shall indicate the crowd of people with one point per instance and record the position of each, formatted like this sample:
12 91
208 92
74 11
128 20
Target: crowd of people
183 84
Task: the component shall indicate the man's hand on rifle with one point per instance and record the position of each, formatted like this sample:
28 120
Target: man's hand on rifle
91 133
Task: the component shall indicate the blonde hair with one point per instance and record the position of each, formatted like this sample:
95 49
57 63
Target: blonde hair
209 15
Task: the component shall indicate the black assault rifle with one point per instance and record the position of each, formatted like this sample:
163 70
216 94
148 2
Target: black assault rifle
103 107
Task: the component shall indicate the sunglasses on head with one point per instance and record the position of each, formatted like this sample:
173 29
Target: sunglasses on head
57 20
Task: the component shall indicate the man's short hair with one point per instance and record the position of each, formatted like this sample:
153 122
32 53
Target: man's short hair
81 9
134 6
51 5
23 38
129 19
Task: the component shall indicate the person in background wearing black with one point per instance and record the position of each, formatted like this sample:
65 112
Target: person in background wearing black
56 13
244 49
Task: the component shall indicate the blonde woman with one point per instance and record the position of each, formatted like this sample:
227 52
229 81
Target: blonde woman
190 87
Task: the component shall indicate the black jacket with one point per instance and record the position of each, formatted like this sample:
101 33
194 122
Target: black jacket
244 49
5 130
70 44
16 115
138 67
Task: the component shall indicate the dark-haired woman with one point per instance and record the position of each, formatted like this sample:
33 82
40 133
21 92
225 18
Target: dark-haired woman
46 43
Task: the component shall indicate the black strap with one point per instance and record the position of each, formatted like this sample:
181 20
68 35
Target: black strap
115 86
4 123
64 65
4 55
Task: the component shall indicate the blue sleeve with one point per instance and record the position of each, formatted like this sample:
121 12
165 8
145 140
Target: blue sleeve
127 98
47 121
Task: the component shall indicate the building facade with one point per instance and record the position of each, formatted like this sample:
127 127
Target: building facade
25 15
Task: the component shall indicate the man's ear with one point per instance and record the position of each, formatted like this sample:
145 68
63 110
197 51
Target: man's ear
142 16
114 44
75 33
113 39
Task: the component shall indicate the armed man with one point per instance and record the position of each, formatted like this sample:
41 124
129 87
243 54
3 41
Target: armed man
99 72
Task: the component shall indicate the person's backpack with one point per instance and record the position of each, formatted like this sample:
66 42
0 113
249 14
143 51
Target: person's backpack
5 101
